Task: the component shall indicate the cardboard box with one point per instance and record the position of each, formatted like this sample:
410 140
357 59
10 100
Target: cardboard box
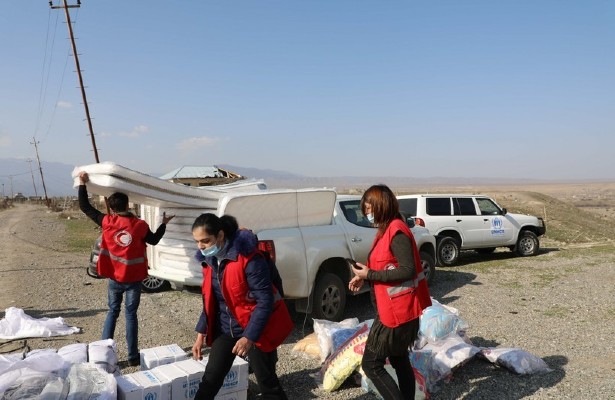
180 385
161 355
236 379
143 385
240 395
194 371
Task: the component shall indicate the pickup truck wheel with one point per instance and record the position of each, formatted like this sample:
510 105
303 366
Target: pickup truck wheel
429 266
329 298
152 284
448 251
527 244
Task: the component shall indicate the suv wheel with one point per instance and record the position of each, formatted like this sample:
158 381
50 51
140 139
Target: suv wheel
448 250
527 244
329 298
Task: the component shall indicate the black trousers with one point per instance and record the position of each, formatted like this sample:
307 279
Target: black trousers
373 366
221 359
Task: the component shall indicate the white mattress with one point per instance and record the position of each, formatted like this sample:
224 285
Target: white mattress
107 178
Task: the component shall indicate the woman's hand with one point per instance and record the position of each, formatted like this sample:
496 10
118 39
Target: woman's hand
355 284
198 345
361 271
242 347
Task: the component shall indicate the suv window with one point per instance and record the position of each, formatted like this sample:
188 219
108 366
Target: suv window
408 206
488 207
464 206
438 206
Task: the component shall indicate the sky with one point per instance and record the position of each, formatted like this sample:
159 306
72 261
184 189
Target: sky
321 88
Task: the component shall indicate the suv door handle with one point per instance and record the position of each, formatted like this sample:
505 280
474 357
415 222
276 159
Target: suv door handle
356 239
486 219
458 220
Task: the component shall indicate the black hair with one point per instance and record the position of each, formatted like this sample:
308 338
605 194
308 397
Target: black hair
118 202
214 224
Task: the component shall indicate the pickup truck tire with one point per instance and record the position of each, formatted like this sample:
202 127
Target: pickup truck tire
329 298
152 284
527 244
429 266
448 250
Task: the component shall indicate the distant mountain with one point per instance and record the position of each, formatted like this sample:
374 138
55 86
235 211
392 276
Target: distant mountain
16 177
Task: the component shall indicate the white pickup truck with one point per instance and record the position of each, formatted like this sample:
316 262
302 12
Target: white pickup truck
309 232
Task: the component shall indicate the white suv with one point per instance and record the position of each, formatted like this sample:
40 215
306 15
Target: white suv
472 222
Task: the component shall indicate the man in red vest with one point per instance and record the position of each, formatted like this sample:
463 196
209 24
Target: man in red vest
122 259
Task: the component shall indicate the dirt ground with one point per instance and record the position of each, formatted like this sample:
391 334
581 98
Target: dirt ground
559 305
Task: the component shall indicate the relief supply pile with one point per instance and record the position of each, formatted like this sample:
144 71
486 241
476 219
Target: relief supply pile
442 347
179 380
74 372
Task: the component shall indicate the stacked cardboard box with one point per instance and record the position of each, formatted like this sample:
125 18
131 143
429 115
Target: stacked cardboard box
180 380
161 355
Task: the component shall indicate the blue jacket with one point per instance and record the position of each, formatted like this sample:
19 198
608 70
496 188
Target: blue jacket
259 281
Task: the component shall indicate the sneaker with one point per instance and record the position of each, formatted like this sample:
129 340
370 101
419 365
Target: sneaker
134 363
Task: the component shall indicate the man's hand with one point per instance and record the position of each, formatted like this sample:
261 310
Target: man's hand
166 219
198 345
83 177
242 347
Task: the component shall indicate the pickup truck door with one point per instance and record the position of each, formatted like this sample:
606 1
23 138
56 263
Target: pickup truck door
359 232
498 230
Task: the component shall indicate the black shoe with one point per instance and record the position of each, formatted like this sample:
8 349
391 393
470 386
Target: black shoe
134 363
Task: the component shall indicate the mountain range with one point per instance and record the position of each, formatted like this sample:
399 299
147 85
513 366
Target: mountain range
21 176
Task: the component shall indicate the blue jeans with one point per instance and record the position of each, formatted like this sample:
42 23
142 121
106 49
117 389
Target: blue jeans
133 298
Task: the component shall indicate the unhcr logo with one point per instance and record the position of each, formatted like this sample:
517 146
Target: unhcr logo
496 226
230 379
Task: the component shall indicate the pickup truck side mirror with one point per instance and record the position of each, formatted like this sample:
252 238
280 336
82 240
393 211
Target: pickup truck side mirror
504 211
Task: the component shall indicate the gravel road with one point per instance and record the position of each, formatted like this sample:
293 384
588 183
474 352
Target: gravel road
558 305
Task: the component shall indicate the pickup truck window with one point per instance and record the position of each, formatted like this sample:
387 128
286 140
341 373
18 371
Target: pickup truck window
354 215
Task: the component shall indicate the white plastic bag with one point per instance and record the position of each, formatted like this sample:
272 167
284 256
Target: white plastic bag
516 360
324 331
16 324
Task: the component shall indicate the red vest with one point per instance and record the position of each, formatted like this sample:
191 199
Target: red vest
398 302
122 250
237 296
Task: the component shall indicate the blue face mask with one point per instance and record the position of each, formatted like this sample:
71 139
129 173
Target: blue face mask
210 251
370 218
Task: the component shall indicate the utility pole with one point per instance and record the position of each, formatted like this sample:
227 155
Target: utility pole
74 46
35 143
29 160
12 195
65 6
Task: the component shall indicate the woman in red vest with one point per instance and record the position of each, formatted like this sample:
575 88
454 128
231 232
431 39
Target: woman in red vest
399 292
244 313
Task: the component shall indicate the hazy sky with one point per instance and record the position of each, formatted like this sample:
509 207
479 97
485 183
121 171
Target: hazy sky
516 89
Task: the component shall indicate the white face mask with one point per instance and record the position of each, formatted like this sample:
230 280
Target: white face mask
370 218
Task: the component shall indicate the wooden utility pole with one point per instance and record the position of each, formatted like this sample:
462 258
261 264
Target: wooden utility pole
77 66
35 143
65 6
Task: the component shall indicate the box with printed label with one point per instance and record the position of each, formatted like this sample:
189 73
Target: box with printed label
194 372
161 355
151 386
236 379
180 387
128 389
